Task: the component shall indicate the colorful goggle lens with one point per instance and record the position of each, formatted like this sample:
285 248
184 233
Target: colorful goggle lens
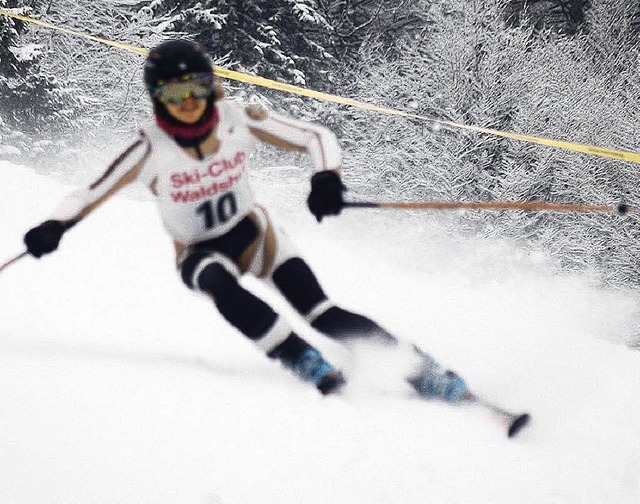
175 91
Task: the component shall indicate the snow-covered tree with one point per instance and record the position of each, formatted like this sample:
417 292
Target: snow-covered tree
560 16
298 41
467 67
106 80
31 99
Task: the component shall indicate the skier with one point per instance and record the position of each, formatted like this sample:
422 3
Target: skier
193 158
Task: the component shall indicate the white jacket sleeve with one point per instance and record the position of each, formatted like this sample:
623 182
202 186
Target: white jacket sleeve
318 141
122 171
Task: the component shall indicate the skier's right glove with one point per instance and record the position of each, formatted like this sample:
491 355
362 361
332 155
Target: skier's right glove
44 238
325 197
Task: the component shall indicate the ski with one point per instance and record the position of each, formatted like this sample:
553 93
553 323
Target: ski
513 422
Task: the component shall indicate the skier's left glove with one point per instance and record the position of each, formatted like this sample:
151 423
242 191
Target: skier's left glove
44 239
325 197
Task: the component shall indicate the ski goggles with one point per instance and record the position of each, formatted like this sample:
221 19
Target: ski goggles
197 85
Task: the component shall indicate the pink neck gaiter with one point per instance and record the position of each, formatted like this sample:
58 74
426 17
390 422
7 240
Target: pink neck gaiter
188 131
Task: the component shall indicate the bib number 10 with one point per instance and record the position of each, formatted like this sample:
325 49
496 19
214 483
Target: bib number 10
218 213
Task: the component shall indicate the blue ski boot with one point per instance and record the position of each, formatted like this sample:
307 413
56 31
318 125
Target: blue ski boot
434 382
312 367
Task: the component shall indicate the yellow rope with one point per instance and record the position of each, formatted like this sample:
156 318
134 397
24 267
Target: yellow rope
290 88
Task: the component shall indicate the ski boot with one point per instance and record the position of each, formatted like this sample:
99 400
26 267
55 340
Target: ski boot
432 381
312 367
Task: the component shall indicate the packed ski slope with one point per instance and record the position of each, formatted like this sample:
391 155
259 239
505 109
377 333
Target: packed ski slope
118 385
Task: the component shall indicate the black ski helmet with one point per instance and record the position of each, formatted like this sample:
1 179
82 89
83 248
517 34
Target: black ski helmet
167 61
172 59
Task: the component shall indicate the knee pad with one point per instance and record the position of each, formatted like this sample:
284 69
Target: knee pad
188 267
245 311
195 264
295 280
214 279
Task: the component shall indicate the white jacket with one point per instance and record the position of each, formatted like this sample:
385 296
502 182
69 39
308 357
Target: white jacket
199 199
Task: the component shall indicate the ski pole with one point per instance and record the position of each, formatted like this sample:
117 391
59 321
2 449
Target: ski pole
535 206
15 259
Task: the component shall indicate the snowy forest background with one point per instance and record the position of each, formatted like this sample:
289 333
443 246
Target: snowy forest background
565 69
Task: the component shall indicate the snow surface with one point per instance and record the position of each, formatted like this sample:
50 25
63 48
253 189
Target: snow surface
118 385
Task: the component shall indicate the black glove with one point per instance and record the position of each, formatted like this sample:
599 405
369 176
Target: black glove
44 238
325 197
